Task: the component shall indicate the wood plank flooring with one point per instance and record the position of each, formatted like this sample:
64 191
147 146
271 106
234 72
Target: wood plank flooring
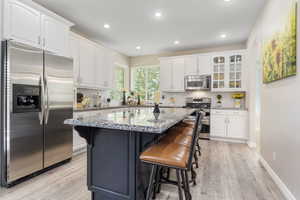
227 172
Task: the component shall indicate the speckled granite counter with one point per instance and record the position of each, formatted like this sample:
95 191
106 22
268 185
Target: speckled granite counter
138 119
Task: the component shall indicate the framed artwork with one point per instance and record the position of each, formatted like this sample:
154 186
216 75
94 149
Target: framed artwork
280 43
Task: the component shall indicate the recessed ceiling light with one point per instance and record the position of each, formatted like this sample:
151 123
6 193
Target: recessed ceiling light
176 42
227 0
223 36
158 14
138 48
107 26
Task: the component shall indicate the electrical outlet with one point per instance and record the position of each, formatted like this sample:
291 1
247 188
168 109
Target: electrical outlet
274 156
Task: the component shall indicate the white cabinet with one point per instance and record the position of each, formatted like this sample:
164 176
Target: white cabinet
218 126
191 65
198 64
229 72
204 64
93 64
172 75
75 54
22 23
55 36
229 124
26 24
87 59
79 143
178 75
166 75
237 126
104 68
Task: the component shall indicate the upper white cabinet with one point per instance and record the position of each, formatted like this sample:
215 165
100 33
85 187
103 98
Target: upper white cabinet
229 72
191 65
172 75
55 35
104 68
29 25
166 79
75 54
22 23
198 64
87 62
93 64
178 75
204 64
229 124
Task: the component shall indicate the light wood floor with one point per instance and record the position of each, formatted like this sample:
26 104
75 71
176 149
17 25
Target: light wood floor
227 172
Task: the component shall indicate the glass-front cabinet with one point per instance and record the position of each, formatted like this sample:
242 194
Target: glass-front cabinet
228 72
235 71
218 72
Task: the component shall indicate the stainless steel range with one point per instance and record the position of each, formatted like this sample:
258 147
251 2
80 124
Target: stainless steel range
204 105
36 98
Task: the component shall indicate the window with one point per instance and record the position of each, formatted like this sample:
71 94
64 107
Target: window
145 81
116 94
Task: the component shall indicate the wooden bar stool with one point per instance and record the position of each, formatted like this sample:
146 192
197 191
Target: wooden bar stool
174 156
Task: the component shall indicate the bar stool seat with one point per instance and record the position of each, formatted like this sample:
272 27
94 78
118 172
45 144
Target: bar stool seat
187 123
167 154
179 137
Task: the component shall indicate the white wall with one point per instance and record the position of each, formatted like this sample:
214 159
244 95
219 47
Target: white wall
280 108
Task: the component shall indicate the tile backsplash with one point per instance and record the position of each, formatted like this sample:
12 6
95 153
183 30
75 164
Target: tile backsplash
227 101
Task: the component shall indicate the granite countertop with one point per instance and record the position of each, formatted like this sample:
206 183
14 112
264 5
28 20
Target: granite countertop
117 107
139 119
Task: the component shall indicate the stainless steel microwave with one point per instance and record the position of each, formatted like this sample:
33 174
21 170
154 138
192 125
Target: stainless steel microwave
197 82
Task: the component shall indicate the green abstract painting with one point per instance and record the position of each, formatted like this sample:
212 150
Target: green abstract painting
280 47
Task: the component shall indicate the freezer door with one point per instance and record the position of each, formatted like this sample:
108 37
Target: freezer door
23 130
59 106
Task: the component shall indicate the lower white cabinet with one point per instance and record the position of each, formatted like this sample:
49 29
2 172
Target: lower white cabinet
229 124
78 142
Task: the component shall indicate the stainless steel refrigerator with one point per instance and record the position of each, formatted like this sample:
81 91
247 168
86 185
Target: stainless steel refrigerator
36 98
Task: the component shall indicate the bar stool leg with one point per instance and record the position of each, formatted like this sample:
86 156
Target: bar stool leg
157 182
194 176
199 148
179 185
196 160
160 177
151 181
187 185
184 185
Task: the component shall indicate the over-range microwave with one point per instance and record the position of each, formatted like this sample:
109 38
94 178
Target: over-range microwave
197 82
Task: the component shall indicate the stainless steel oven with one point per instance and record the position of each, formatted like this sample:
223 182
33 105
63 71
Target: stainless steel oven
197 82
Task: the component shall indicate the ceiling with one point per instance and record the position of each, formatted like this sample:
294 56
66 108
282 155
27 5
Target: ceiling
195 23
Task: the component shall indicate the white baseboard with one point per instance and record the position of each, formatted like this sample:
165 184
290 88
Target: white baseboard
228 140
79 151
284 189
252 145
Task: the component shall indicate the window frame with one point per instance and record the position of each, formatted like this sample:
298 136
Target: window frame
146 78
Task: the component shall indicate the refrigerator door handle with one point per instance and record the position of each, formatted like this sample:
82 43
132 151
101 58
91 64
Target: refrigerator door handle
47 100
42 112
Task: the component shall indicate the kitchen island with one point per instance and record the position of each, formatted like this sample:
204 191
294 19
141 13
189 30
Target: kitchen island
115 140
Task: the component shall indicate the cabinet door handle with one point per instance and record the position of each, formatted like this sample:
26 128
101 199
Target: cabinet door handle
39 40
